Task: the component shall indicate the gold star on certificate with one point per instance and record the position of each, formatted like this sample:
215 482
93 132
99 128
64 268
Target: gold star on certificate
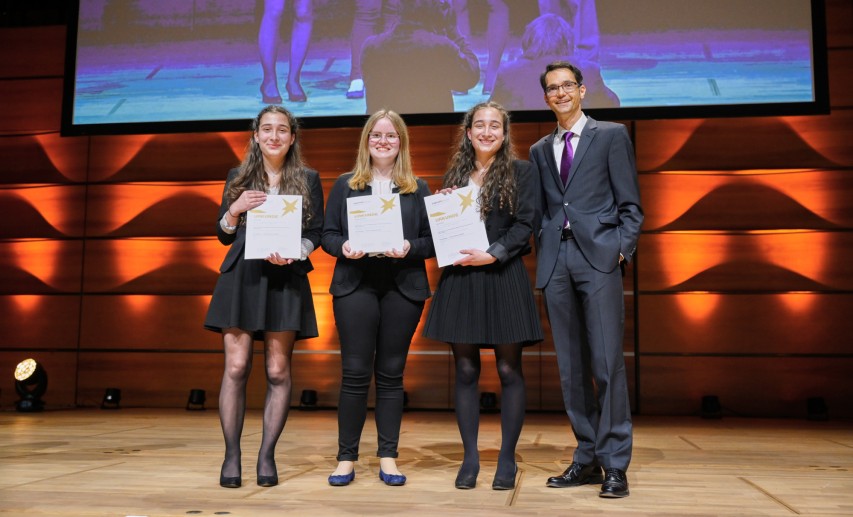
387 204
466 200
289 207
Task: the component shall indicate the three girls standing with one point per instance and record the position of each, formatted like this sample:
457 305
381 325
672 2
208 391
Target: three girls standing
483 301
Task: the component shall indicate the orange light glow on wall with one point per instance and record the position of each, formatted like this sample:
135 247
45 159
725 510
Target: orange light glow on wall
804 252
140 304
693 254
126 201
799 303
669 203
237 141
41 258
61 206
27 304
208 252
697 306
67 155
808 188
122 149
669 137
831 142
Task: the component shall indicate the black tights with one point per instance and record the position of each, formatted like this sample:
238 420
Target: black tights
513 400
278 348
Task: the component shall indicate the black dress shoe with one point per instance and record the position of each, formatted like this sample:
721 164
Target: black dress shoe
615 484
576 475
230 482
505 483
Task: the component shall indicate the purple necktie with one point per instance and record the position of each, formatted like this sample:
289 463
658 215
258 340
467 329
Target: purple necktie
566 159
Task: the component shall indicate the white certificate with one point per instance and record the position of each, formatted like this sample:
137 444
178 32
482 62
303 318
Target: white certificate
375 223
455 224
275 226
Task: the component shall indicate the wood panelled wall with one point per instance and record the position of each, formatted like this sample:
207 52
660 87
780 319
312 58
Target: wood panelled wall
742 278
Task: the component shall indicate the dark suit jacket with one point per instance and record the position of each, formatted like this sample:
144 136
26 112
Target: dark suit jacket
509 234
237 240
601 200
409 273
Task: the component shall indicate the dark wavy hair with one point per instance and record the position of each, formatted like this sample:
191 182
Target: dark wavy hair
499 181
294 176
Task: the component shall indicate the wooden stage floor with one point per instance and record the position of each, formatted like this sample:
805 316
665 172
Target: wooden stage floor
149 462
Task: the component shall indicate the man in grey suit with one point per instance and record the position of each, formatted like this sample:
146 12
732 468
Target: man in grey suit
591 219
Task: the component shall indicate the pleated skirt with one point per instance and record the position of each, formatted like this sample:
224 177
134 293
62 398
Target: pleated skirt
490 305
257 297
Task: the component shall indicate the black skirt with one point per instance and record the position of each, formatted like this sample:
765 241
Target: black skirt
487 305
257 297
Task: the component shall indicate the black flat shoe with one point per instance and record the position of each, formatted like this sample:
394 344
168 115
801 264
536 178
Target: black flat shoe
230 482
505 483
268 481
466 481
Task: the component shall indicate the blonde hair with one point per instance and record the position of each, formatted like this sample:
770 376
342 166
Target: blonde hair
402 173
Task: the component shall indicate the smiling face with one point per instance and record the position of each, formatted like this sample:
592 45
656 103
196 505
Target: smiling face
274 136
383 143
564 102
487 133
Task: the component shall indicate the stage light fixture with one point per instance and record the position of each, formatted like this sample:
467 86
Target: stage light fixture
308 399
196 400
30 384
711 407
816 409
112 399
488 402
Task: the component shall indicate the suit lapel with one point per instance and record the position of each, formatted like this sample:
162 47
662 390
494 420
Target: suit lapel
586 137
548 150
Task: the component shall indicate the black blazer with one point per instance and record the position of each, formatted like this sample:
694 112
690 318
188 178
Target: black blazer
237 240
509 234
409 273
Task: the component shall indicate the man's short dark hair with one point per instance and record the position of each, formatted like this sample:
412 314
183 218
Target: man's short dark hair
556 65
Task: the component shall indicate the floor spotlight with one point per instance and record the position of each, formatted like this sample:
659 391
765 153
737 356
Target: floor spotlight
112 399
817 410
30 384
488 402
308 399
196 400
711 407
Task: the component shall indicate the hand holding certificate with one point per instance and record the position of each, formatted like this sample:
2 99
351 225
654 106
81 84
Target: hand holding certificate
455 224
275 227
375 223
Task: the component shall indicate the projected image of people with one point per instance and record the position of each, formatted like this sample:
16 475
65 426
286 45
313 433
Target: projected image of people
331 62
371 17
269 39
497 35
415 66
547 38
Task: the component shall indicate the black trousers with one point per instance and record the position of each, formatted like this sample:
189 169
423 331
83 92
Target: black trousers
375 325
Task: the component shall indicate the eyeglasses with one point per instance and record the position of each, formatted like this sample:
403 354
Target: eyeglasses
377 137
568 87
